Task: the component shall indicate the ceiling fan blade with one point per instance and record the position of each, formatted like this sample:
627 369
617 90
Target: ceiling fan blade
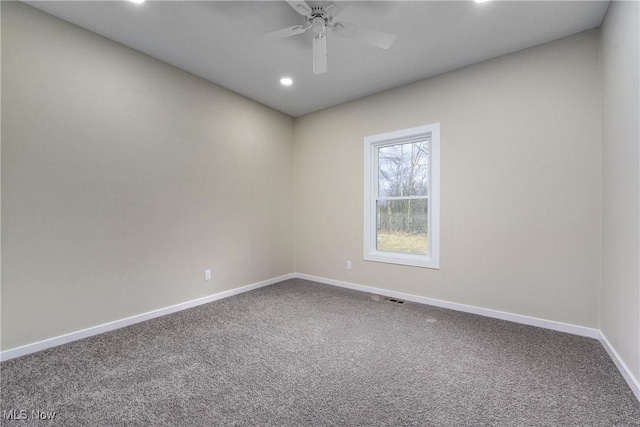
300 6
284 32
334 9
320 54
365 35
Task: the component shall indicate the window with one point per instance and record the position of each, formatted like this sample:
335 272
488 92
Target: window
402 197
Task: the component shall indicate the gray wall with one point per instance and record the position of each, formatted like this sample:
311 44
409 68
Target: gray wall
124 178
521 183
621 181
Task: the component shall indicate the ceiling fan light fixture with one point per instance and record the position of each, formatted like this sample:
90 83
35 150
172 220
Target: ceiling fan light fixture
317 25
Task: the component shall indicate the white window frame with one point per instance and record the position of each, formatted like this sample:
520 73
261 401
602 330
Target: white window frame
371 146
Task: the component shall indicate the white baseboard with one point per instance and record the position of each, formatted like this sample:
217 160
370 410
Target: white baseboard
633 382
517 318
105 327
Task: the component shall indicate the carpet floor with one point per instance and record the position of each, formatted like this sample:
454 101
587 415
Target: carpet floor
300 353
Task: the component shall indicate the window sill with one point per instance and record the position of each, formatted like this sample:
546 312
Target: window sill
403 259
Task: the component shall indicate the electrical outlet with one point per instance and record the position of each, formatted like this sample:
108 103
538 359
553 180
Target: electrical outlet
207 275
348 265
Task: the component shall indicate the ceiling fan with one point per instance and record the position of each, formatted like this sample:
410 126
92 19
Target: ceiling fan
321 20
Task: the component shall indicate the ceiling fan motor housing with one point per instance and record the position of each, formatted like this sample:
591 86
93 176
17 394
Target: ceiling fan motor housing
318 19
317 11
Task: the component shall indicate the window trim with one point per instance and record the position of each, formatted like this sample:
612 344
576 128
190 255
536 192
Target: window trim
371 145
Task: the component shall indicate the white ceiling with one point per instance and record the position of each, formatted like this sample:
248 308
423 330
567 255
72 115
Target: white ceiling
217 40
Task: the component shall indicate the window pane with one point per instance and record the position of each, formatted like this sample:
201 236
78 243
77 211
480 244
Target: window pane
403 170
402 226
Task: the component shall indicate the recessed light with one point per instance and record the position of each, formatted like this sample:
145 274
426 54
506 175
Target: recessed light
137 1
286 81
481 1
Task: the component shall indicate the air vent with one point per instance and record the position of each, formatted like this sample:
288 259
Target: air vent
394 300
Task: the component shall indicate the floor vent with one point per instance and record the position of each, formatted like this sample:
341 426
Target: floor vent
395 300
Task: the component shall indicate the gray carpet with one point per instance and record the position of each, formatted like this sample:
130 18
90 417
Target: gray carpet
300 353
